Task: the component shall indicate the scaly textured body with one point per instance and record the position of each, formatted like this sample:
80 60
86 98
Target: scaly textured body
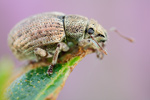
43 30
46 35
75 27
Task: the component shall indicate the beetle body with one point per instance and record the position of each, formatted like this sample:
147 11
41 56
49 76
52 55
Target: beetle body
37 31
47 34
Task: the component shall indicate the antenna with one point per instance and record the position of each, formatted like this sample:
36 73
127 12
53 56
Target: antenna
127 38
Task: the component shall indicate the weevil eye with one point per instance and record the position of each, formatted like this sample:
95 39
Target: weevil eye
90 31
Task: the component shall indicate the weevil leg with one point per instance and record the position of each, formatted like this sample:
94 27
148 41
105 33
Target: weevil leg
60 47
100 54
41 53
86 43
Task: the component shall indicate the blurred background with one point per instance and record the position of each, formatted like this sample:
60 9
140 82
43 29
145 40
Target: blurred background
124 74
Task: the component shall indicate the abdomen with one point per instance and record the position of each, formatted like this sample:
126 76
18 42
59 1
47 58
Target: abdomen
37 31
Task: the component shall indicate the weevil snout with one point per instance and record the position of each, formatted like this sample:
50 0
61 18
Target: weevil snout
97 33
95 30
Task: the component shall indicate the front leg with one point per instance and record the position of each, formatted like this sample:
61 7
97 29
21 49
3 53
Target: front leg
100 54
60 47
86 43
89 43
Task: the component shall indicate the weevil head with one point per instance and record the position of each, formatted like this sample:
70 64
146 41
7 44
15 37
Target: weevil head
95 30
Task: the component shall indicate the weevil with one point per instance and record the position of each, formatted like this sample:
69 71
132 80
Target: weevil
46 35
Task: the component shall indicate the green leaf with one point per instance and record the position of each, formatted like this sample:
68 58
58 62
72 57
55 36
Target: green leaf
37 85
6 66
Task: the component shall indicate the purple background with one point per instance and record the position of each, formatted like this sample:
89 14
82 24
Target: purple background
124 74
